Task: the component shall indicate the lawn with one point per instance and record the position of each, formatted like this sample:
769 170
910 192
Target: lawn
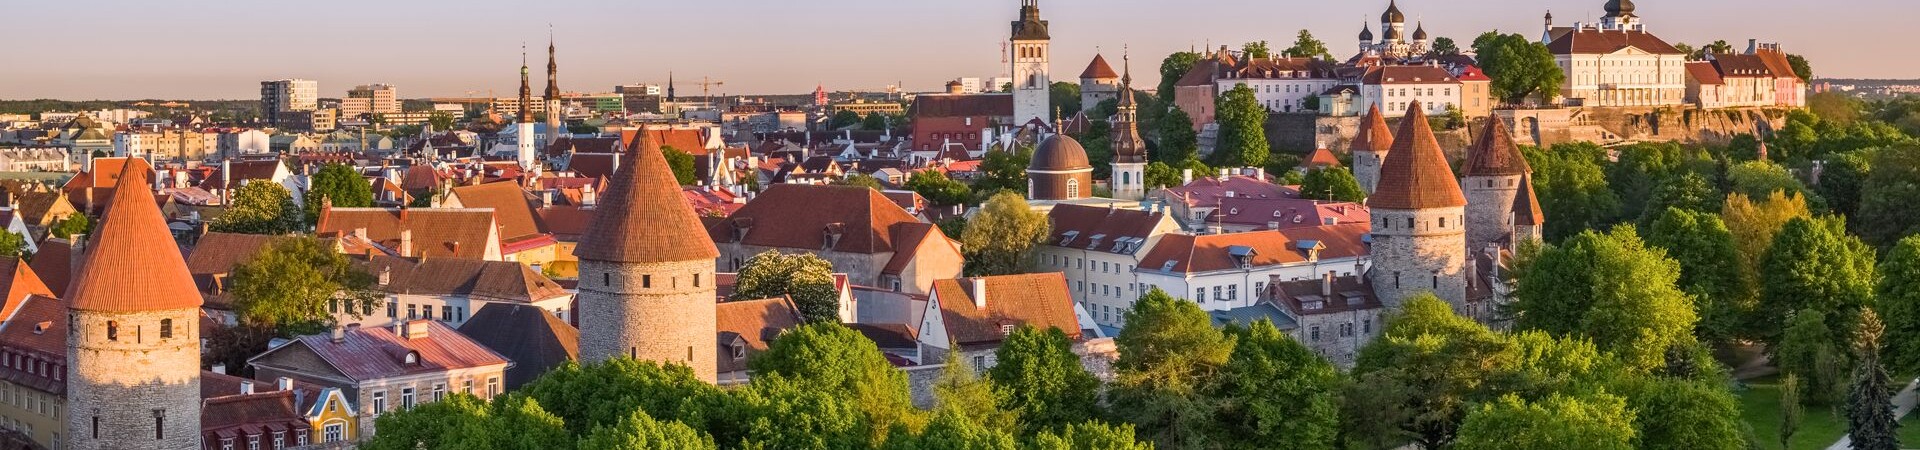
1819 427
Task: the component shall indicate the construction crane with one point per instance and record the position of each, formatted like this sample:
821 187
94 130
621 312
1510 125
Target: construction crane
705 85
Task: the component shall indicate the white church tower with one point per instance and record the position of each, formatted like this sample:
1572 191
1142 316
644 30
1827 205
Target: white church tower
1031 80
526 144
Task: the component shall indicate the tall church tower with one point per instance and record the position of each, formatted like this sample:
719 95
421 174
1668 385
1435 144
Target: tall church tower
1031 80
525 143
1419 231
1491 179
1370 147
1129 150
133 336
556 117
646 270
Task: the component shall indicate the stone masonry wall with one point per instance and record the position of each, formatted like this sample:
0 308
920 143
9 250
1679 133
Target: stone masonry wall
134 381
652 312
1489 208
1406 261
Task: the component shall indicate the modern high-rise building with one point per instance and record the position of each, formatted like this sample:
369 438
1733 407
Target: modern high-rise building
370 99
278 96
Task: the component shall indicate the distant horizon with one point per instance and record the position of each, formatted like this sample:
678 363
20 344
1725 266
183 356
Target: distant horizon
222 49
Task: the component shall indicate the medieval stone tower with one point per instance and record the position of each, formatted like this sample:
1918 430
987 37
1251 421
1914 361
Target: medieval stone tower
525 145
556 118
1031 80
1491 180
1098 83
133 336
646 270
1370 147
1419 228
1129 149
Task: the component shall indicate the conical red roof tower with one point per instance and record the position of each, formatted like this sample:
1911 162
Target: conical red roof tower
1374 135
132 263
1415 174
642 216
1495 154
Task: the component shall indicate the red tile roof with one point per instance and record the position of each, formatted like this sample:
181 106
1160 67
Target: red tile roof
1374 135
132 262
20 283
1098 69
1111 225
1733 65
756 322
1320 158
1589 41
437 232
54 264
218 253
1208 190
798 216
1039 300
499 281
644 218
371 353
1494 153
1416 175
1289 212
686 140
567 222
967 105
1777 62
1407 75
37 327
1526 206
1705 73
1206 253
512 207
592 165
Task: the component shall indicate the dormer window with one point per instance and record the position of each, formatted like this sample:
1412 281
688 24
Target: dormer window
412 358
739 352
1006 329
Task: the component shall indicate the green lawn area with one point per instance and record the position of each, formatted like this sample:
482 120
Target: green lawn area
1910 431
1819 427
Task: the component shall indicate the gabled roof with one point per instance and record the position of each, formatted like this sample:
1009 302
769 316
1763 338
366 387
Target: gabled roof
1407 75
132 262
500 281
1039 300
963 105
437 232
218 253
19 283
1415 174
756 323
1526 206
1320 158
797 216
1494 153
1309 297
1588 41
1704 72
1186 253
1733 65
643 217
1777 62
530 337
1120 231
593 165
54 264
242 171
1099 69
372 353
37 325
512 207
686 140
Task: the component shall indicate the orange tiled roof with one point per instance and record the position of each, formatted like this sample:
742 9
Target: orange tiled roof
644 218
1374 135
1494 153
1039 300
1416 175
132 261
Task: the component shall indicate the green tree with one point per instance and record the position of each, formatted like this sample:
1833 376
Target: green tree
952 430
1065 97
1899 297
960 389
73 224
1801 68
1306 46
520 423
1444 46
603 394
13 246
1612 288
861 180
446 424
1000 238
1790 409
1178 142
1813 265
1243 135
874 121
1375 408
1809 351
640 431
682 164
803 277
843 119
1004 171
1595 422
1168 351
1843 178
339 184
1174 67
1674 414
1886 199
1754 224
1710 270
259 208
777 411
1040 379
1572 188
1519 66
1759 179
938 189
295 286
1090 436
835 360
1159 175
440 120
1440 361
1332 183
1256 50
1276 393
1870 420
1686 192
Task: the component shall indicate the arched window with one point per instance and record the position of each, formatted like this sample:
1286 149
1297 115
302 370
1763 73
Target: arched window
1073 188
1126 178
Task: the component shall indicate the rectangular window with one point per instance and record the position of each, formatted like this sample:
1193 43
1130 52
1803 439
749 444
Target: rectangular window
279 440
413 311
159 424
253 442
393 310
493 386
646 281
446 313
467 386
333 432
379 402
439 391
406 398
1216 294
1199 294
1314 332
1233 292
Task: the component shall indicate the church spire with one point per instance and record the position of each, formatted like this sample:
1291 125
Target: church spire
526 89
670 98
553 69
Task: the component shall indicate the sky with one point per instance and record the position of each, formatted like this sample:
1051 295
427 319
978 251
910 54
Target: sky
222 49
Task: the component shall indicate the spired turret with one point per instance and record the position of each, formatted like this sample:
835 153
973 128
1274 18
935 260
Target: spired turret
1418 212
646 271
1492 180
133 340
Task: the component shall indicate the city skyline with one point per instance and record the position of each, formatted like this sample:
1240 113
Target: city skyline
223 50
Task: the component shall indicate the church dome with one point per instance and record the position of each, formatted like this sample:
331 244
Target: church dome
1366 33
1619 7
1060 153
1420 33
1393 14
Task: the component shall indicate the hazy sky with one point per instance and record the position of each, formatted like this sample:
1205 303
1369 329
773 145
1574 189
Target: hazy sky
221 49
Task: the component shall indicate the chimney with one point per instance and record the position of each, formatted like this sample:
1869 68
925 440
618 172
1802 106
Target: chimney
219 368
1186 176
360 232
339 335
246 387
1224 173
283 383
587 197
1326 284
415 329
406 243
978 291
546 198
1753 46
77 255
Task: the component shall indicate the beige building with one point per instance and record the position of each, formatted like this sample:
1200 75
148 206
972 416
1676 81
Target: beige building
864 234
386 369
1098 248
370 99
33 359
1617 62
